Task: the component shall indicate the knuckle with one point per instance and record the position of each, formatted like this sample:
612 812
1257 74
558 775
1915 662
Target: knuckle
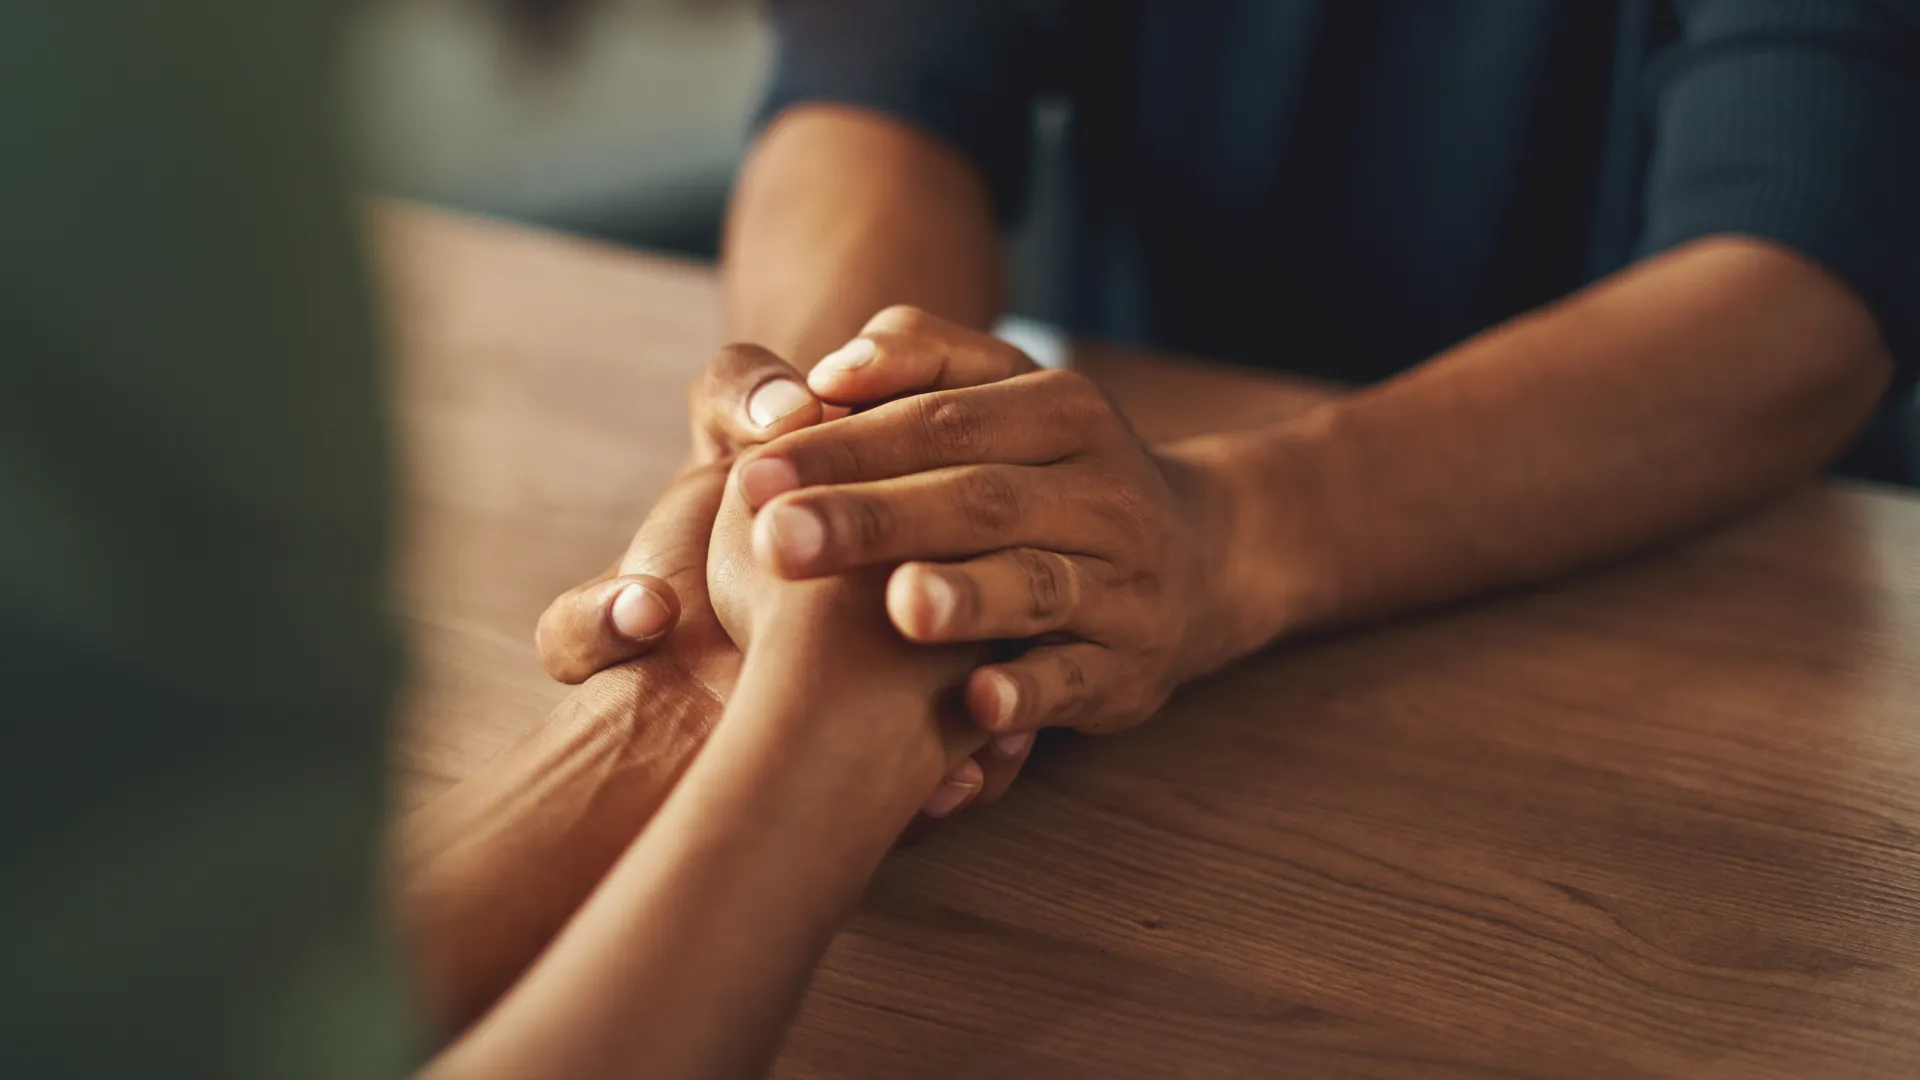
1047 589
828 459
969 602
1097 416
735 356
842 461
1074 405
862 523
732 368
1073 675
989 501
1010 359
951 427
900 319
1129 508
1148 585
561 659
1066 385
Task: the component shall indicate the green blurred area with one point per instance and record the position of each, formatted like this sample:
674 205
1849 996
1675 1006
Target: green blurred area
198 657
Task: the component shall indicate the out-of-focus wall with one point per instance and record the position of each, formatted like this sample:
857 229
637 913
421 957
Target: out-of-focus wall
630 127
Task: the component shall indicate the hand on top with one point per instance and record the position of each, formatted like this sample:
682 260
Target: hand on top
1016 506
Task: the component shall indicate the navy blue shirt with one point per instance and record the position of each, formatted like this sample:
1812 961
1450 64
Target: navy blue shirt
1383 178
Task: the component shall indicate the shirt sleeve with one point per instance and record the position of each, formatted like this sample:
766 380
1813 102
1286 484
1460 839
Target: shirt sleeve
966 71
1799 121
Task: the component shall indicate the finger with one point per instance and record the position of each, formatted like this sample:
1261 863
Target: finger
1021 592
1047 686
944 514
748 395
904 350
999 763
918 830
672 542
1030 420
955 791
603 623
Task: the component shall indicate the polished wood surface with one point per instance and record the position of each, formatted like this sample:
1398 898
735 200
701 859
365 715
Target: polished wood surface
1662 819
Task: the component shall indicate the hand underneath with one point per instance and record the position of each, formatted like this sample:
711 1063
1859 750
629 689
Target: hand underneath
827 642
654 600
1022 510
745 396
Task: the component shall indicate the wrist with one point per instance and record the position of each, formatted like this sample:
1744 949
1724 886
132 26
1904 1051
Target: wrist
848 739
654 709
1253 499
830 672
1209 506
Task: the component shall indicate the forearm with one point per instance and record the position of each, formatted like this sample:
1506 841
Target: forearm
1669 395
839 213
689 958
490 871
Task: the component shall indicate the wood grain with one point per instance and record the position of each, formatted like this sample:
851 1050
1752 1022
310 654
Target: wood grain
1661 819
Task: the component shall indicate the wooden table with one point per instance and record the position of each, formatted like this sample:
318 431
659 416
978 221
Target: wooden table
1659 820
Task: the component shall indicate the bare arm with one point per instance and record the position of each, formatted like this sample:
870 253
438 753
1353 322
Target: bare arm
1668 395
490 871
1672 393
493 869
689 957
841 212
838 213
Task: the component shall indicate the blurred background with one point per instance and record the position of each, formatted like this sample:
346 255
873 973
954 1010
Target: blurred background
618 119
625 120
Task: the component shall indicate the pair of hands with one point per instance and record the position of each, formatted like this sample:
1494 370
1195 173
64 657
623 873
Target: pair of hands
1015 506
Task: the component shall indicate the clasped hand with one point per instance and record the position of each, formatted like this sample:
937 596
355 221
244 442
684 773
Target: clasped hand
1015 506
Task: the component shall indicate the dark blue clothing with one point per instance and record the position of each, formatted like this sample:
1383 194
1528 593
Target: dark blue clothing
1383 178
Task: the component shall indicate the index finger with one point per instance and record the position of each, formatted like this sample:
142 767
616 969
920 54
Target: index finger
904 350
1028 420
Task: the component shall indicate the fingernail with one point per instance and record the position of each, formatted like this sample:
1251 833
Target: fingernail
1006 697
763 478
946 800
953 791
852 356
774 400
637 613
937 594
798 534
1011 746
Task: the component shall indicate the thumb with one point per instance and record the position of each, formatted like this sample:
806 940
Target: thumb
604 622
747 396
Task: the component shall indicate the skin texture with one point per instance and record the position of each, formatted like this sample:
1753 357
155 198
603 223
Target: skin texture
1681 389
837 215
1674 392
741 386
1101 543
690 955
491 870
744 396
912 225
